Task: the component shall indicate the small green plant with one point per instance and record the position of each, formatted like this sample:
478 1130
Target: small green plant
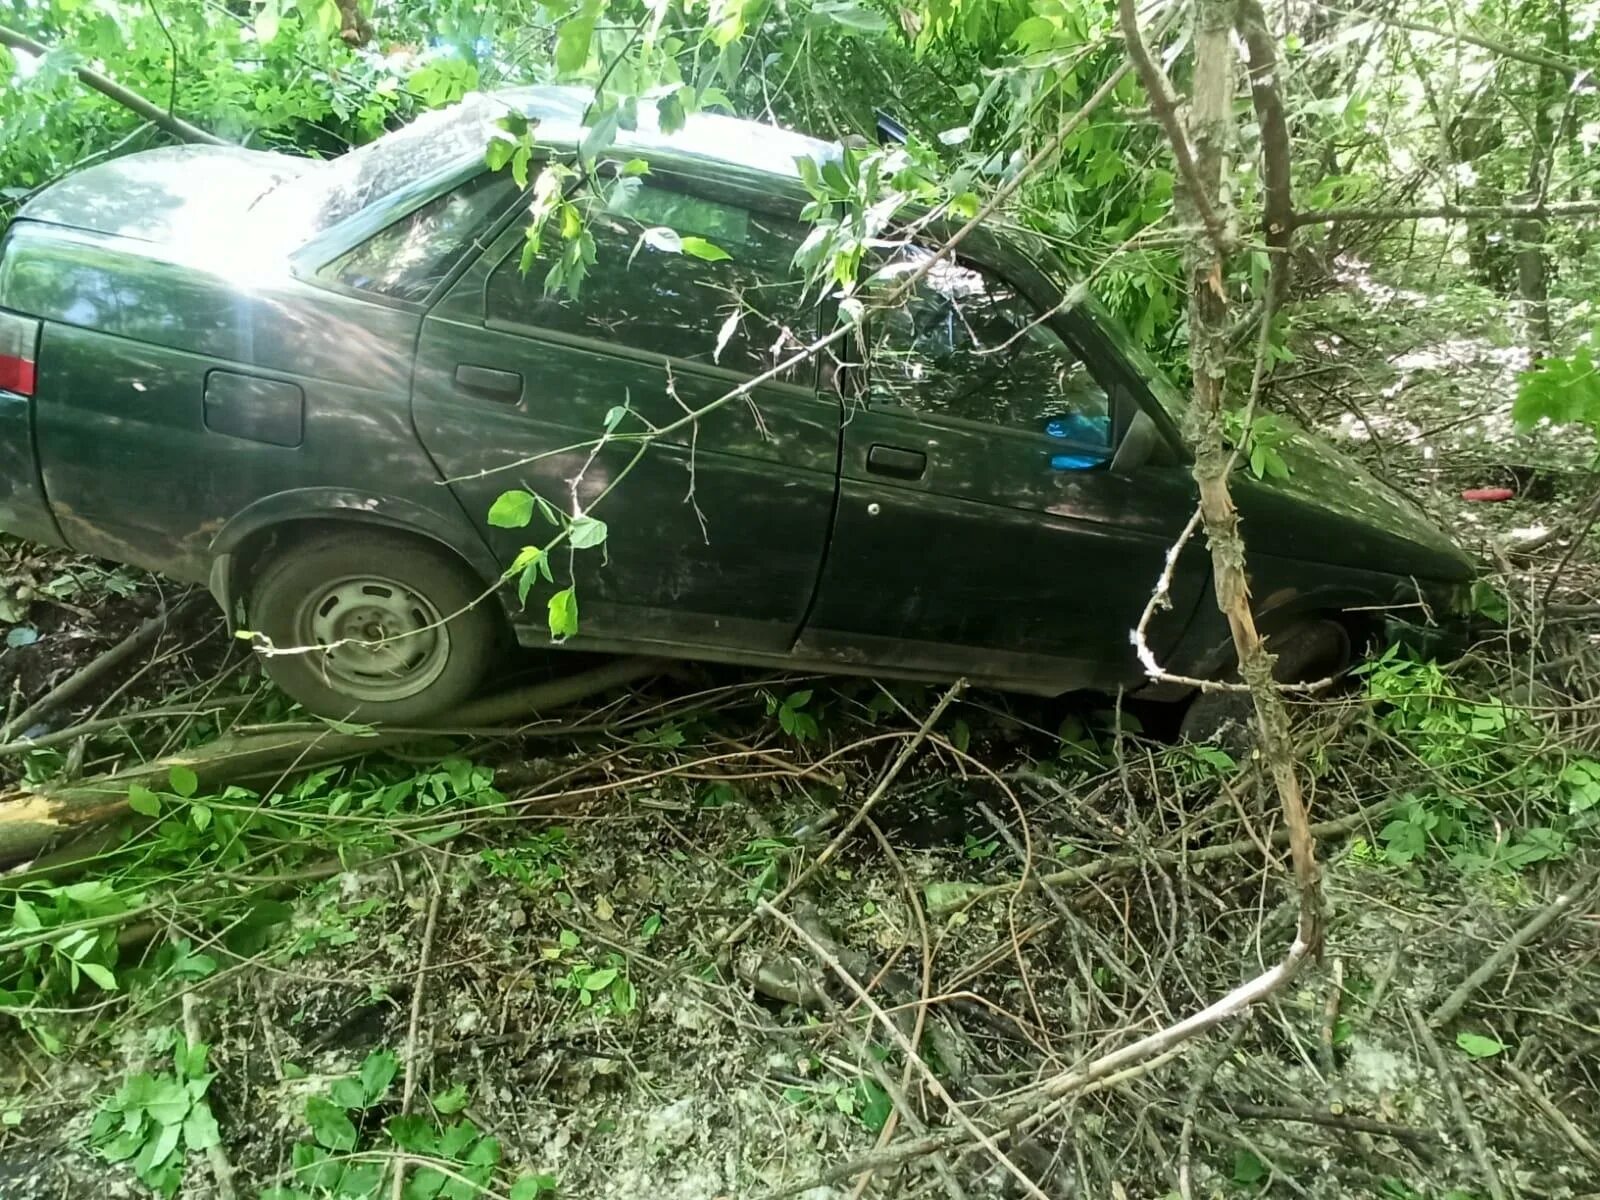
764 860
864 1100
353 1149
1470 751
58 937
791 714
1563 391
155 1120
601 987
979 848
537 863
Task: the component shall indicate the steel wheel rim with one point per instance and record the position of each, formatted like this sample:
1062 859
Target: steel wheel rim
382 641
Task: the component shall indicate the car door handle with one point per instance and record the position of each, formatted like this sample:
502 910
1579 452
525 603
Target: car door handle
486 381
893 460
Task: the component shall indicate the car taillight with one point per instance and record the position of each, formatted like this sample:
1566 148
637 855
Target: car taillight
19 346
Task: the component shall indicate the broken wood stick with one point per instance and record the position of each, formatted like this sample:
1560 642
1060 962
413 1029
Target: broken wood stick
32 821
147 634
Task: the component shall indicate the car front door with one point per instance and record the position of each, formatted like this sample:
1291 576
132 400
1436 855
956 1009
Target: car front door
983 528
717 531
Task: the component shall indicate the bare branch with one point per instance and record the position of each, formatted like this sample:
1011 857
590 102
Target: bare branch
1453 212
1501 48
1165 106
176 126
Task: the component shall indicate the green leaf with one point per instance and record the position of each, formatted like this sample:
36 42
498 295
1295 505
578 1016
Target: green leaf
101 975
855 17
377 1072
698 247
875 1105
562 610
452 1100
1477 1045
586 533
598 980
511 510
159 1149
24 917
329 1124
184 781
124 1146
670 116
573 38
1247 1168
347 1093
533 1187
143 801
498 153
1034 32
200 1127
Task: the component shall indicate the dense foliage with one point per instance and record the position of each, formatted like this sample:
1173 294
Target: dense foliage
1479 106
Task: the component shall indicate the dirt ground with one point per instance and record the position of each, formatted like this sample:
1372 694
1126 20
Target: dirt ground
552 961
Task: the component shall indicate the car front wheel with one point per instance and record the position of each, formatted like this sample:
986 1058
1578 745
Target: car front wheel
1309 650
372 627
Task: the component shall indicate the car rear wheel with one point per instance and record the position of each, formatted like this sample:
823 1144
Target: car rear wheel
372 627
1308 650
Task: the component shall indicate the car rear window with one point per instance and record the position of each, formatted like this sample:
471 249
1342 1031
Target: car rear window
407 260
342 187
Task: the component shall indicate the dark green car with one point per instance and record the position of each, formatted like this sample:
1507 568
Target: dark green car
306 384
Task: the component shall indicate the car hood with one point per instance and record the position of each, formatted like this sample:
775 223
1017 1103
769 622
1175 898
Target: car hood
197 194
1332 509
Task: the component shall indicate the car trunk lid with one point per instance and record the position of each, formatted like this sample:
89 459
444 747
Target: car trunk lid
193 193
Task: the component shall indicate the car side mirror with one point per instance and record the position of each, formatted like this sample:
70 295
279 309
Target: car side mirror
1139 446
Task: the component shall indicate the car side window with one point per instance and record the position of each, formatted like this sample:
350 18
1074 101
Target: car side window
674 274
408 259
967 344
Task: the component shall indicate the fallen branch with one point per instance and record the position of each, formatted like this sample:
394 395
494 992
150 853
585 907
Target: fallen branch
110 88
966 1123
861 812
147 634
72 733
216 1156
1458 1108
1028 1110
1456 1000
1241 848
418 989
31 821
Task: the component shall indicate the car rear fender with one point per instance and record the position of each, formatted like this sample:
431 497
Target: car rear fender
255 531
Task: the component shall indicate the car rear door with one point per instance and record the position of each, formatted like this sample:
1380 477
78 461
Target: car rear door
717 531
982 528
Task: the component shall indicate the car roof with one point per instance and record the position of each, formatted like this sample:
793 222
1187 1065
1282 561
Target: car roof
708 138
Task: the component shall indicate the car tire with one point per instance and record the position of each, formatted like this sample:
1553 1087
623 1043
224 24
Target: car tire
1307 650
407 630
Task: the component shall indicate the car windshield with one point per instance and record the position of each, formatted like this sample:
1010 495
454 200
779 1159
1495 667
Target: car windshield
340 188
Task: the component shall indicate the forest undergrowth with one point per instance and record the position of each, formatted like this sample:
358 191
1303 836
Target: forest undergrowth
539 960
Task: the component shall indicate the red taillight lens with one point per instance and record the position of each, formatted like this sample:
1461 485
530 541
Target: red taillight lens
19 342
